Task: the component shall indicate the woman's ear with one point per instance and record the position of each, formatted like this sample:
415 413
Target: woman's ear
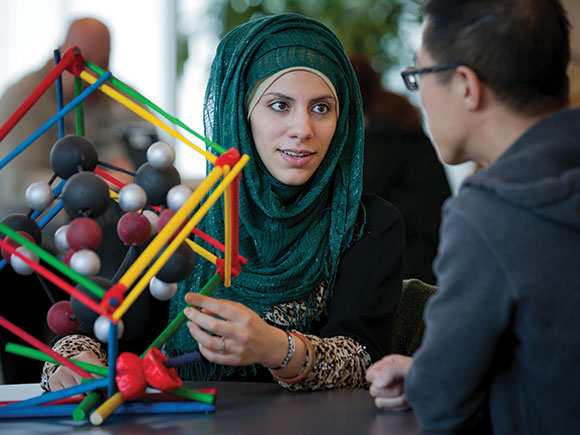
470 87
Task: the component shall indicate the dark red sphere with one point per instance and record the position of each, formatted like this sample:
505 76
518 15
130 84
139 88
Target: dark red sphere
5 254
84 233
61 319
134 229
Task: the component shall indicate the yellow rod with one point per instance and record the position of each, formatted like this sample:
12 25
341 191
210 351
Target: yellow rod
202 251
106 409
176 242
106 89
131 275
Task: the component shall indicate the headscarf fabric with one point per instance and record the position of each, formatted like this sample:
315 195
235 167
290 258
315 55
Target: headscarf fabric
292 236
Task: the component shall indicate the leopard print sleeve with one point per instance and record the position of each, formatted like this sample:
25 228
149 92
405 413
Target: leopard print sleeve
70 346
340 362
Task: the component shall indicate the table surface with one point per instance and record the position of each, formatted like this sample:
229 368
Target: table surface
241 408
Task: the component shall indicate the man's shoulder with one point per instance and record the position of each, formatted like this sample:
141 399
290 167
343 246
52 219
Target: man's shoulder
21 88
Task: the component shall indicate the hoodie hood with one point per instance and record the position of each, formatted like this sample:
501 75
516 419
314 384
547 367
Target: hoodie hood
541 170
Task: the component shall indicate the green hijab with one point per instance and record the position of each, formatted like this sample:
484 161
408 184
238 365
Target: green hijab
292 236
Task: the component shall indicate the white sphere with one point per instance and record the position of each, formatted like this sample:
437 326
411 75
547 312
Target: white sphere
60 239
162 290
153 219
19 266
39 195
85 262
177 196
132 197
160 155
101 329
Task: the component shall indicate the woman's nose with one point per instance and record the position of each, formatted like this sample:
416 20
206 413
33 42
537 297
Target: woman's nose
300 125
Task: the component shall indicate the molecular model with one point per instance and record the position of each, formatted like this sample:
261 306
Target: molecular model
159 216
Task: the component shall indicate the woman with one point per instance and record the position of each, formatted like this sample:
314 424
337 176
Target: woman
282 90
313 306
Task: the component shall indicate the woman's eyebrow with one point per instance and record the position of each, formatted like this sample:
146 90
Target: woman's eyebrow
286 97
324 97
279 95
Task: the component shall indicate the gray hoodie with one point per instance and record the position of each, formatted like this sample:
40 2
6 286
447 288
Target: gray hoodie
502 336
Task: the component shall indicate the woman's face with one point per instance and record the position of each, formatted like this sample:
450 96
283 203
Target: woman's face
293 124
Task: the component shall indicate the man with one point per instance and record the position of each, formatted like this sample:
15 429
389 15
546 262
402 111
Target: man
502 343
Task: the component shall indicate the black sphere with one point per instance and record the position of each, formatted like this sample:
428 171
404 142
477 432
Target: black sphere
21 222
179 266
80 310
85 195
157 182
69 153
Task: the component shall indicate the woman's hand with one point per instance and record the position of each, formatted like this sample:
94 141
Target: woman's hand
387 378
241 336
64 377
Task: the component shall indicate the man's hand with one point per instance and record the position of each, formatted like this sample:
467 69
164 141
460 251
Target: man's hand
387 378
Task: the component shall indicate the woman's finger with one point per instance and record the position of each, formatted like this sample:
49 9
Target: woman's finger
226 309
210 342
208 312
208 323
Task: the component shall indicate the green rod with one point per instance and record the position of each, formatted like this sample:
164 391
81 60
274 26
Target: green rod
32 353
153 106
80 108
53 261
180 318
88 403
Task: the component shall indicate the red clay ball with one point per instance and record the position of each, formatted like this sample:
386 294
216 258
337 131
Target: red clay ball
61 320
84 233
134 229
5 254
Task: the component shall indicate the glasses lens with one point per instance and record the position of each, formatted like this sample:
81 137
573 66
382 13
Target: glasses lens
411 80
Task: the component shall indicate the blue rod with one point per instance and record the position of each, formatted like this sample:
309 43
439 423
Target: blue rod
127 408
59 95
78 99
61 394
55 192
49 216
113 350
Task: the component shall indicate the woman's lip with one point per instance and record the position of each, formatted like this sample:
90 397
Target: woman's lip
296 161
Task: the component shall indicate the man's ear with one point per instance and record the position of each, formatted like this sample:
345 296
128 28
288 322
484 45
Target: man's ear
470 87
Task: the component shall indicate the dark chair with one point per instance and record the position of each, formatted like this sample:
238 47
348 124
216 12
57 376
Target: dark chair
408 324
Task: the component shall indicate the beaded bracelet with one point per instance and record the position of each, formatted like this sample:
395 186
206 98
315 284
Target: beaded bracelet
308 363
291 348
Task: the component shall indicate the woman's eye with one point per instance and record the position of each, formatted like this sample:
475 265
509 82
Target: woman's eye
279 106
321 108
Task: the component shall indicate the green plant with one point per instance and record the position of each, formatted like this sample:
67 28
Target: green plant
374 28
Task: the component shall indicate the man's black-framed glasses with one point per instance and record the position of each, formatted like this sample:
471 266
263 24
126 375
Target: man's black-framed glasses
411 75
